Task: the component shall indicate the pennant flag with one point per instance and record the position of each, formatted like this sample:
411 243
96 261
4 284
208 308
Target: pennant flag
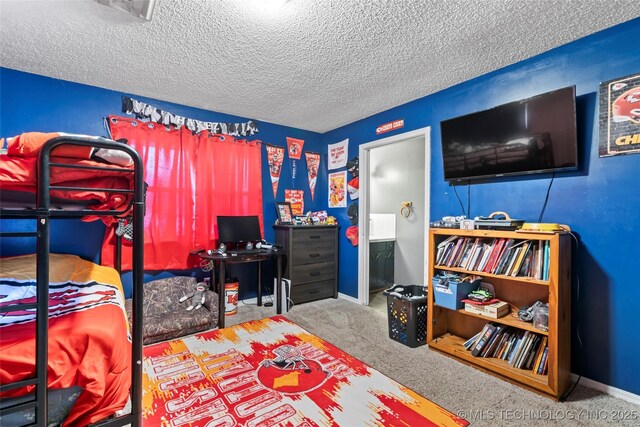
295 152
295 148
313 165
275 156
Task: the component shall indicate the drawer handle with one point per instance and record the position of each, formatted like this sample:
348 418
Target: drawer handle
315 273
314 237
314 255
314 291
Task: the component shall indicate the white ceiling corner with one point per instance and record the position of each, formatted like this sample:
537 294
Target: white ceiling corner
314 65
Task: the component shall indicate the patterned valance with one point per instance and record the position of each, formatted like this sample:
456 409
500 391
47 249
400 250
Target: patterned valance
143 110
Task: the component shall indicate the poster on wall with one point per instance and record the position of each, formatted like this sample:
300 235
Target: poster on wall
296 199
338 189
275 155
313 164
620 116
338 154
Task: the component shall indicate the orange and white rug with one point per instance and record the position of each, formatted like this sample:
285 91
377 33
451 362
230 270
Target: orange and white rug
272 372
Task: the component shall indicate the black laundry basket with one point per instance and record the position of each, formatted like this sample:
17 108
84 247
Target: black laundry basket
407 313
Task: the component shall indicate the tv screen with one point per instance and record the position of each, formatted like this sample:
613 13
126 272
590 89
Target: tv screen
533 135
236 229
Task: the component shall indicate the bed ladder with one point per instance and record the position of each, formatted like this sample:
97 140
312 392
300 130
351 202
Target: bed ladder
38 400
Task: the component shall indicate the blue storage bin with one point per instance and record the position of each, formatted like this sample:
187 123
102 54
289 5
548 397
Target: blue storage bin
449 290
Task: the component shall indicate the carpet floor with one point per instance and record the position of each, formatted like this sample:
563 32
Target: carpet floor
478 397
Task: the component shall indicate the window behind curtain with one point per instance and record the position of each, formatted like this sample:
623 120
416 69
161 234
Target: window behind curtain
192 179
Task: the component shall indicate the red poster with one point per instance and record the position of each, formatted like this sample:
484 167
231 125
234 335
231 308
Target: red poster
275 155
296 199
313 164
295 148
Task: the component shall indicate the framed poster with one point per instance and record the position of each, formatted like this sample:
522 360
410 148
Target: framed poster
296 199
284 213
338 189
620 116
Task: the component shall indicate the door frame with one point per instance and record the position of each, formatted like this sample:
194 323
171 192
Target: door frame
364 208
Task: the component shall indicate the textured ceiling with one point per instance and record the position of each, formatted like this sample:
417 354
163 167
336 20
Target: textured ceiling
311 64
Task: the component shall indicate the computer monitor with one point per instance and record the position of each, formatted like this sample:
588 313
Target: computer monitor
235 229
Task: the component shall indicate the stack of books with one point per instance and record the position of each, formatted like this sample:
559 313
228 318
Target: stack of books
521 349
510 257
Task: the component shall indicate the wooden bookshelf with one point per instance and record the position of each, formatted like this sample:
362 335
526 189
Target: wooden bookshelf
447 329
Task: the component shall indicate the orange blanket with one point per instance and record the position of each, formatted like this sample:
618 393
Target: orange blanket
18 172
89 342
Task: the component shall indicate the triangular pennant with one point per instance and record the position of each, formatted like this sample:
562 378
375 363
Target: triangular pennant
313 165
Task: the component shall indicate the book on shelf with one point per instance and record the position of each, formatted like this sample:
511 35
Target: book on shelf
468 344
487 331
538 358
446 250
545 270
504 257
532 353
490 347
542 368
514 348
523 254
446 241
495 251
463 247
466 254
454 252
485 256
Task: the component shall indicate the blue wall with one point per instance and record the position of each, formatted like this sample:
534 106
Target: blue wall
34 103
600 201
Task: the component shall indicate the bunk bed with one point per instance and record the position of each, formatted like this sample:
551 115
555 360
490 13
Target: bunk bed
67 180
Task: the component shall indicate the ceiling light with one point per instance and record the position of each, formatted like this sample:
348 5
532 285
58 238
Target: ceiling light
138 8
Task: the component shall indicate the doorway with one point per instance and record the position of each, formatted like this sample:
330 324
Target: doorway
394 172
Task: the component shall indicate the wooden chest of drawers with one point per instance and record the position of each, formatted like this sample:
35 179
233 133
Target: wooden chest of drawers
312 260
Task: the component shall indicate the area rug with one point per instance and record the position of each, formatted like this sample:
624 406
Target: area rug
271 372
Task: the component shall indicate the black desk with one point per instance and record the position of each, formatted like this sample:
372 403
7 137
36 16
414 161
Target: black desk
241 258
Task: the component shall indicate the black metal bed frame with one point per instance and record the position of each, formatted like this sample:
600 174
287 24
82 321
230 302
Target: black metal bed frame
43 214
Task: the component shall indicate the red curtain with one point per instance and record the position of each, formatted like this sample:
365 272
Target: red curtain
191 179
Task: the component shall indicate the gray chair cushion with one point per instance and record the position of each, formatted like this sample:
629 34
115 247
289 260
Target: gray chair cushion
166 318
61 401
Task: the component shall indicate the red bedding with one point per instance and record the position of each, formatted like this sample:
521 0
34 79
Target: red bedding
18 170
89 342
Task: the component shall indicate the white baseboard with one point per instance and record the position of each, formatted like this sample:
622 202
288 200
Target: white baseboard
348 298
607 389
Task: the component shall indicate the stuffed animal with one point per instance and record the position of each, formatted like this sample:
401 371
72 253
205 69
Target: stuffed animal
197 298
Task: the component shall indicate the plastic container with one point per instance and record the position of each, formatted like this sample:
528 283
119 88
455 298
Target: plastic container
541 318
449 290
407 313
230 298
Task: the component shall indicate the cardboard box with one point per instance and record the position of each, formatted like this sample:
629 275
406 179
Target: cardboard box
494 311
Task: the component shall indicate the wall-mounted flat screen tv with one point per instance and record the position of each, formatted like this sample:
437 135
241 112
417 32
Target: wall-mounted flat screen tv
533 135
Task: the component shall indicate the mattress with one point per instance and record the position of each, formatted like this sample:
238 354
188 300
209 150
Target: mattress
89 339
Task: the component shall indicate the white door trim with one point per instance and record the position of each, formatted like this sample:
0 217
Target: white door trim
363 208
